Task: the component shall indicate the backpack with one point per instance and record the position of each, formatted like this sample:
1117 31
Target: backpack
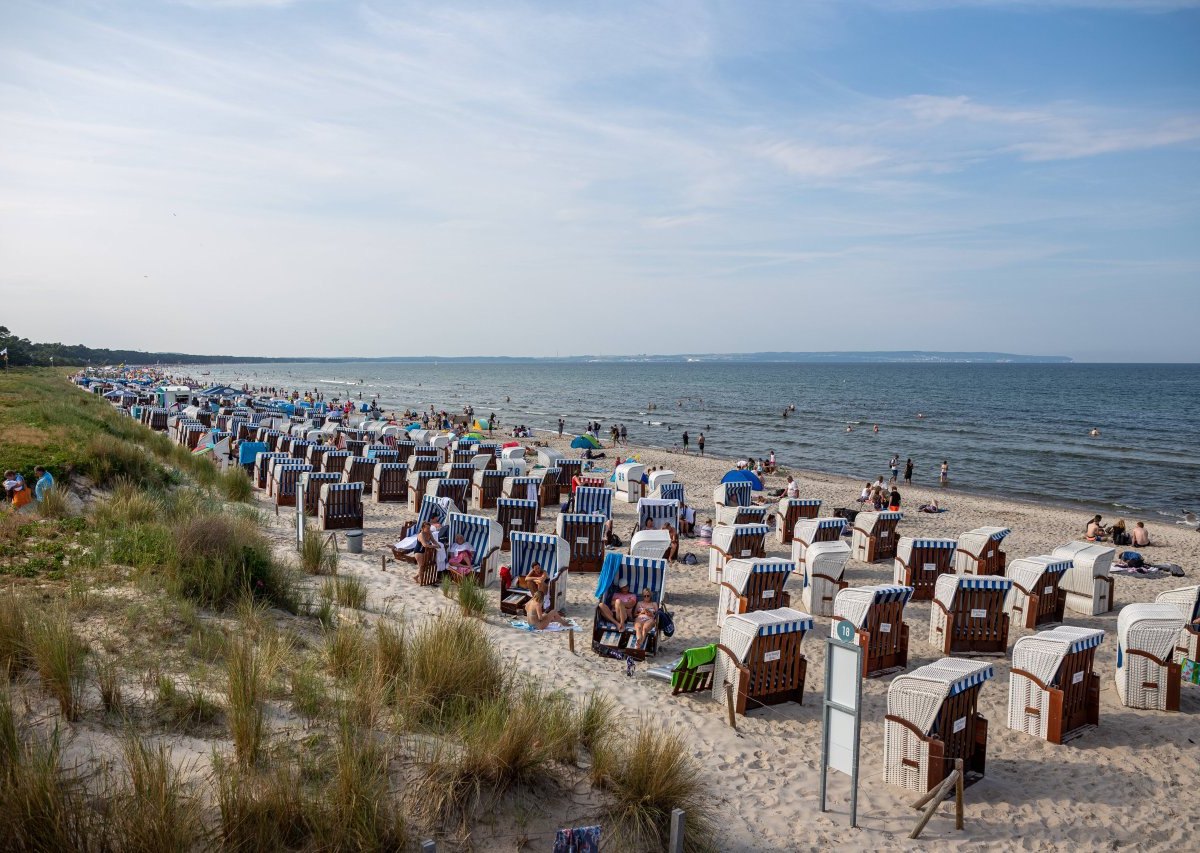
666 623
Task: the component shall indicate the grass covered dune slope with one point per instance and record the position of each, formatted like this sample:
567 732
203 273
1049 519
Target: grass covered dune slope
177 680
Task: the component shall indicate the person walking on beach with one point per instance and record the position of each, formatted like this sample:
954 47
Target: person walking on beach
700 443
561 424
908 466
945 475
894 464
624 435
685 441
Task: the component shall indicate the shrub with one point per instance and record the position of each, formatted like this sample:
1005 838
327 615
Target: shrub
54 502
250 667
318 556
107 458
452 666
220 559
59 657
154 813
235 484
647 776
347 591
14 633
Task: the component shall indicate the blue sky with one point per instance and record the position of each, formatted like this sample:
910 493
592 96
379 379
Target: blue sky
542 178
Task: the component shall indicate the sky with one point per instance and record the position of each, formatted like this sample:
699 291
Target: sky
309 178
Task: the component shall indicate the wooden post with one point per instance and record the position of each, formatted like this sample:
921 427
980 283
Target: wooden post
730 707
939 794
678 820
571 639
958 794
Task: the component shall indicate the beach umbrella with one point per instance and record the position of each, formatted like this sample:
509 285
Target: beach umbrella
740 475
481 424
583 442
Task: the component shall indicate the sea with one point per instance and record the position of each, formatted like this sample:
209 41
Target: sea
1020 431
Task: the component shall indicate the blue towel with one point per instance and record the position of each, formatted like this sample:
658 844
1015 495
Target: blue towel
608 573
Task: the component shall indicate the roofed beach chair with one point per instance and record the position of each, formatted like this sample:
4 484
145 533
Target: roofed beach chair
488 486
299 449
516 515
809 531
1187 600
584 535
1052 691
405 448
733 494
670 491
655 481
418 484
524 488
340 506
740 515
460 470
1088 583
308 489
315 455
593 499
432 509
790 510
639 573
548 457
736 542
458 491
650 543
877 613
873 536
262 467
569 469
513 467
529 548
421 462
979 552
1147 675
360 469
751 585
967 616
390 482
627 478
821 576
335 460
760 657
932 719
548 490
919 563
484 537
1036 595
286 478
652 512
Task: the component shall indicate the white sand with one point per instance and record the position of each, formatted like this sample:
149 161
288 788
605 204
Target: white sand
1132 781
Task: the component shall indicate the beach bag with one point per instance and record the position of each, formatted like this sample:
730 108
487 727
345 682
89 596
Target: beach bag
666 623
689 559
848 514
1191 671
614 541
1132 558
1122 539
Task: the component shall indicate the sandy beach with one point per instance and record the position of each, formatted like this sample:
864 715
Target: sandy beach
1126 783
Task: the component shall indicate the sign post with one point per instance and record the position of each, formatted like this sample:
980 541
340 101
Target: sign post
841 713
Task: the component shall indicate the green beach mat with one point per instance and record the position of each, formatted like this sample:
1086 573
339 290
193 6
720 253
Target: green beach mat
687 676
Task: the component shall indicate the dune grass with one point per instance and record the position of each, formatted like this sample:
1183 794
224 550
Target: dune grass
452 667
186 709
318 556
235 485
220 558
154 811
54 502
59 656
346 590
14 633
250 666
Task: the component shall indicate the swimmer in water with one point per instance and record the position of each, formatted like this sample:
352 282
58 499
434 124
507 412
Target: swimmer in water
876 428
1094 433
849 428
920 416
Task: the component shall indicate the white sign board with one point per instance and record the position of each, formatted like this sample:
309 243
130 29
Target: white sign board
842 710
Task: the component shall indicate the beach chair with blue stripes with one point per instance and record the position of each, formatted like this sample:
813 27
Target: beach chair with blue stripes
877 613
733 494
404 447
638 573
1053 694
1147 675
919 563
809 531
569 469
1088 583
553 553
524 488
932 720
760 657
591 500
299 449
335 461
548 489
457 490
728 515
489 484
484 537
790 510
873 536
584 535
655 480
423 462
285 479
979 551
736 542
1036 597
308 489
360 469
315 455
340 506
653 512
418 484
390 482
751 585
516 515
669 491
1187 600
821 575
382 453
967 616
262 467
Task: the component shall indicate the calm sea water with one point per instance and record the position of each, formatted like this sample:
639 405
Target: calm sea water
1015 430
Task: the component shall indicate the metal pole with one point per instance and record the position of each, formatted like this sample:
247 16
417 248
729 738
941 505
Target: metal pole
678 820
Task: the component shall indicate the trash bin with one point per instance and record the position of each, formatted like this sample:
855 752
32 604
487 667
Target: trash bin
354 541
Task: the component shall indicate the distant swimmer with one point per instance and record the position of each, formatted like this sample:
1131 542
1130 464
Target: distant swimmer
785 413
920 416
849 428
1094 433
876 429
508 399
792 407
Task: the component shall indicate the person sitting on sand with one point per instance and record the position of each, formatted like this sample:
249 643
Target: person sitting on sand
706 532
621 608
1095 530
462 557
672 550
865 494
645 617
538 582
1140 536
932 506
1118 535
792 490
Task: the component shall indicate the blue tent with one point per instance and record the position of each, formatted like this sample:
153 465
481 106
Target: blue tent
584 442
741 475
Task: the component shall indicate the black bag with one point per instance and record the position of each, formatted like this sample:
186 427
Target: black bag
666 623
848 514
614 541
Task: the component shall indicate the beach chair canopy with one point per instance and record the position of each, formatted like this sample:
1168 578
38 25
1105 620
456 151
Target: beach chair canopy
740 630
1042 653
638 572
947 586
738 572
854 603
918 696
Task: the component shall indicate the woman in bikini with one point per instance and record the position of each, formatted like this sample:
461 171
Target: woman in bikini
645 616
537 582
623 603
